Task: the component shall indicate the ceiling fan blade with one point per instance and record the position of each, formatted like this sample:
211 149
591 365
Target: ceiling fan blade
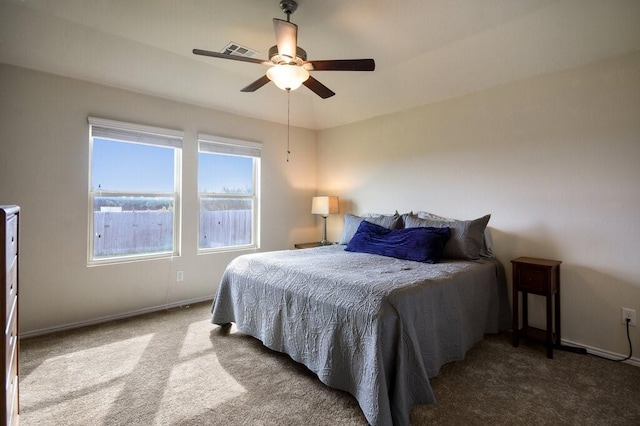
343 65
256 84
227 56
286 38
318 88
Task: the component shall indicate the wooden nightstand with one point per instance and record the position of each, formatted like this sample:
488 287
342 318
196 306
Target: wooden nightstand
311 245
541 277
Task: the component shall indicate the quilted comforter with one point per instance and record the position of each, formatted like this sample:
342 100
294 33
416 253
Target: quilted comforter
374 326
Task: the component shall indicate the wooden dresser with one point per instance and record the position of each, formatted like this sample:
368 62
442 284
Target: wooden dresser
9 218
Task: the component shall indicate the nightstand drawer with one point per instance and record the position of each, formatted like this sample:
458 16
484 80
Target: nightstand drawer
532 279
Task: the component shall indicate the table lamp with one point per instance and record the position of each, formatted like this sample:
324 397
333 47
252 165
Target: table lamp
324 206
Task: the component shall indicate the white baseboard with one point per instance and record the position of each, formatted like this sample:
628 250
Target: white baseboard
604 354
101 320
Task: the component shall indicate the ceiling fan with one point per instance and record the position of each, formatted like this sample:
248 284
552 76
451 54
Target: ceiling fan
288 63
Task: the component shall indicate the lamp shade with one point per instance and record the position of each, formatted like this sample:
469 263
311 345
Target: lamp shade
325 205
288 77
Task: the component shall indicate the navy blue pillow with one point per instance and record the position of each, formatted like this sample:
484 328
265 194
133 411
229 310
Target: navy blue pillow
418 244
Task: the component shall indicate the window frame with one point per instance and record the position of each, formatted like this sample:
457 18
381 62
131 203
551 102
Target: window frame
240 148
120 131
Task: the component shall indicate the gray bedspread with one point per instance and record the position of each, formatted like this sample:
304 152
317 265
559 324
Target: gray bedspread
374 326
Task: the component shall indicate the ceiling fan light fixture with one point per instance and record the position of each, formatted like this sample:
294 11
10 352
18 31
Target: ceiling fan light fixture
288 61
288 76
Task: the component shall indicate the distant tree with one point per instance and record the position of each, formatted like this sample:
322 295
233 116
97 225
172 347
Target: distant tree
135 203
220 204
246 190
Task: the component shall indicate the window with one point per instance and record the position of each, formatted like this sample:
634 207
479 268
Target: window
228 193
134 196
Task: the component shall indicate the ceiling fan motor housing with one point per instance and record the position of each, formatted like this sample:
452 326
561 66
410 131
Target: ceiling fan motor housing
300 59
288 7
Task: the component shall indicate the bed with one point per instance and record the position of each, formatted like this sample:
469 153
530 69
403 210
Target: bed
375 326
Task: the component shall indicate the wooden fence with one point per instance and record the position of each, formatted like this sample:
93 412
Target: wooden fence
225 228
137 232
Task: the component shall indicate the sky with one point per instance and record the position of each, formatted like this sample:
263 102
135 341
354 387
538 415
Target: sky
121 166
216 172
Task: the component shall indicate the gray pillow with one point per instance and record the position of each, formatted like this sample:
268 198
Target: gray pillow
467 236
351 223
432 216
487 244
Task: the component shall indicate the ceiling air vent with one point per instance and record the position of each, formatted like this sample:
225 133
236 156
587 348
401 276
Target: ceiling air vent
238 50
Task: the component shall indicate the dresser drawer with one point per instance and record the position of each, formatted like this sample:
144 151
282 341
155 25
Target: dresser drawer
12 402
12 390
12 239
11 336
11 287
532 279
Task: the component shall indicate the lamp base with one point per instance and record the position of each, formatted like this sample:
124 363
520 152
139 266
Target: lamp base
323 241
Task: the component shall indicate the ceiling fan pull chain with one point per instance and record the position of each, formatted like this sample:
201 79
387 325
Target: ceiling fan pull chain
288 114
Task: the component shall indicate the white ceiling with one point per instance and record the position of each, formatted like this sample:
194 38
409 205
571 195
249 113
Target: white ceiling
425 50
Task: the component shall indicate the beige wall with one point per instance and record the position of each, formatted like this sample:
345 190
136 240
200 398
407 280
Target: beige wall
554 159
44 168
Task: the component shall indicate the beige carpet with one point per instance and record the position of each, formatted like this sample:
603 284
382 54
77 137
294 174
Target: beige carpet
175 368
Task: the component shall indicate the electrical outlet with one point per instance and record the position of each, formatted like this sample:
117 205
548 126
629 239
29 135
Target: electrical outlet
629 314
180 276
